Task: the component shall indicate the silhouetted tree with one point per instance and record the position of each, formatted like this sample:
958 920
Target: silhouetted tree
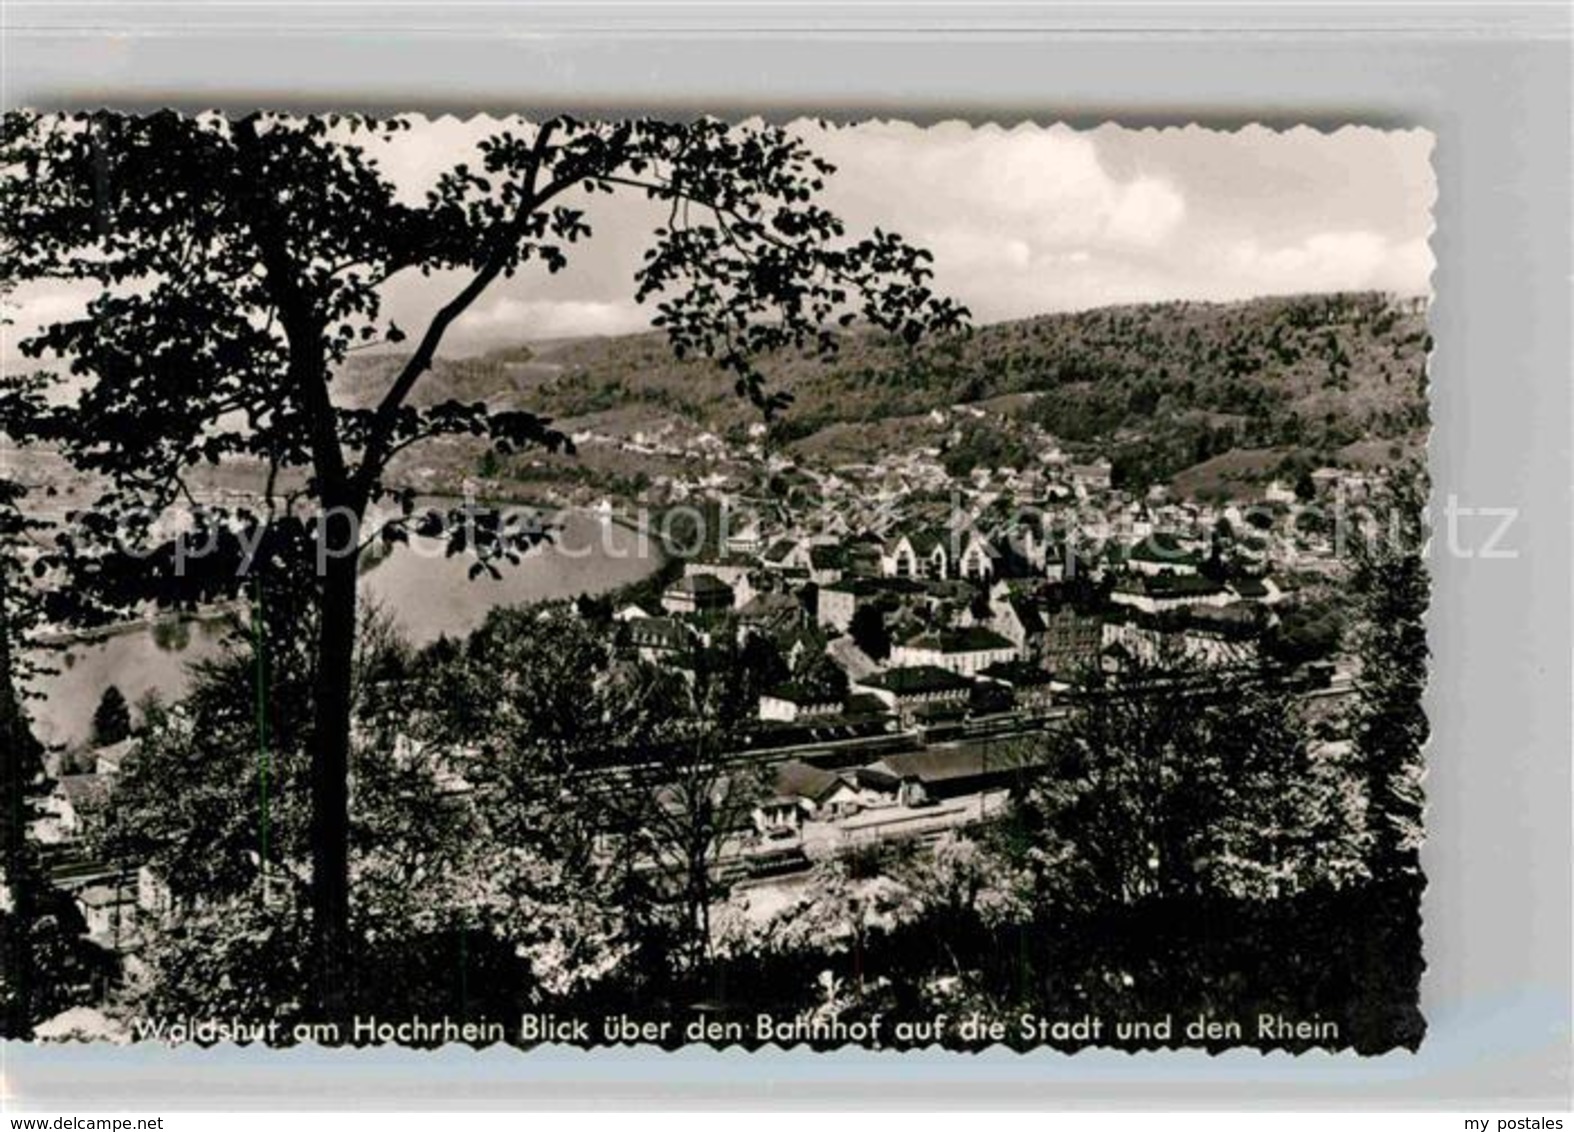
238 262
112 718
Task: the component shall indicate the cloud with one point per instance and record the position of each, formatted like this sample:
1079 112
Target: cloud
1047 188
509 319
1031 220
1326 261
1021 221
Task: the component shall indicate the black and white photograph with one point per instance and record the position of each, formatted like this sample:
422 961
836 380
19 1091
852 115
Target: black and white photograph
699 581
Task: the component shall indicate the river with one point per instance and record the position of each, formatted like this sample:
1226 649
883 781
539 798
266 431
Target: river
427 594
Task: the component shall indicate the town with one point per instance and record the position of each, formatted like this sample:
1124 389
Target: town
922 622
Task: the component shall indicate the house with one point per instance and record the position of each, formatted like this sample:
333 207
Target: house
658 638
789 703
915 778
1095 476
781 816
827 563
108 910
977 560
696 594
79 803
909 691
964 651
1015 617
745 542
1039 550
733 571
807 793
771 612
109 760
1278 492
786 554
864 554
835 604
918 554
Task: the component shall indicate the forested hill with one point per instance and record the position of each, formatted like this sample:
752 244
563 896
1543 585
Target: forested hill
1160 386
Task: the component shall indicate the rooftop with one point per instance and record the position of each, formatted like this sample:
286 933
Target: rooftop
800 780
917 680
698 584
941 764
974 638
802 694
84 791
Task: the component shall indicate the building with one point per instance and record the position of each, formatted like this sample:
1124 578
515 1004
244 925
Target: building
1264 589
807 793
78 804
835 604
745 542
772 612
1163 554
917 554
1155 593
1029 685
786 554
1095 476
1058 628
658 638
1224 636
109 760
696 594
1072 635
1016 618
827 563
909 692
109 912
733 571
965 652
915 778
1205 635
1278 492
977 560
789 703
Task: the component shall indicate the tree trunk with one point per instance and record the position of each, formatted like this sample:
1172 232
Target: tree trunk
331 791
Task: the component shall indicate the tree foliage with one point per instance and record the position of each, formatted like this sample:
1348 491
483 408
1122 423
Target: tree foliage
1391 588
236 264
1174 783
112 718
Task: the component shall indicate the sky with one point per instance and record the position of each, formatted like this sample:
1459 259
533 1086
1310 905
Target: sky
1021 221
